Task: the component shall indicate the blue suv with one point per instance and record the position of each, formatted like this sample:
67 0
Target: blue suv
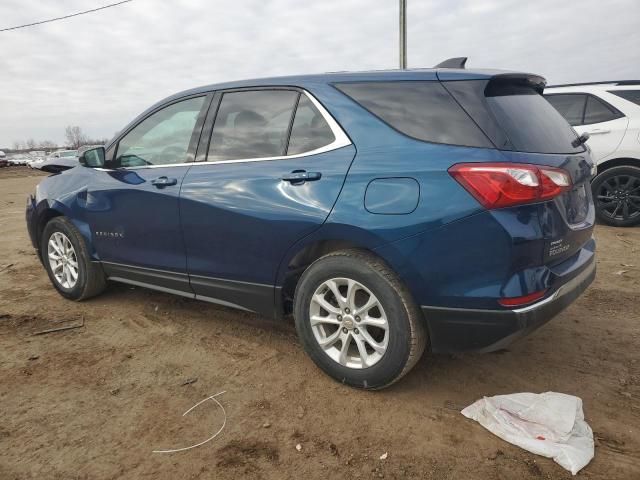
389 212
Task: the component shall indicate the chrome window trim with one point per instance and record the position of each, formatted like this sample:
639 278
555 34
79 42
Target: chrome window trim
340 140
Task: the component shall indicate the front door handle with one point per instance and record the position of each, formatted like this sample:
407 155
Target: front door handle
298 177
162 182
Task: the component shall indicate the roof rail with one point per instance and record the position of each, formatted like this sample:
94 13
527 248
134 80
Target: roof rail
604 82
455 62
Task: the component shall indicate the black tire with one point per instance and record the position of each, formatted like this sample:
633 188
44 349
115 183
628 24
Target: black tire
91 279
407 336
616 194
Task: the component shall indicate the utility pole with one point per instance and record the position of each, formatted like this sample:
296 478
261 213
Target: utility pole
403 34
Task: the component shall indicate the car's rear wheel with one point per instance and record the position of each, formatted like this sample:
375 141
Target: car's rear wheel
357 321
616 193
68 263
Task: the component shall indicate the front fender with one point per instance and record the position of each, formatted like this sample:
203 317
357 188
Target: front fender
60 195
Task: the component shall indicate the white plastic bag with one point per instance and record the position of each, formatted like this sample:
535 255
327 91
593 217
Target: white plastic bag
549 424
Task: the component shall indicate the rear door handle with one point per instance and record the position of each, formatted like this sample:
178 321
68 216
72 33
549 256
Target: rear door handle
162 182
298 177
598 131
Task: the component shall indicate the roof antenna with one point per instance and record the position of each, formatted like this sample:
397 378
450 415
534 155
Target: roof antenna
455 62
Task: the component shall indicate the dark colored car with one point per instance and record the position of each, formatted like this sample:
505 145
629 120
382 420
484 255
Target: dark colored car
387 211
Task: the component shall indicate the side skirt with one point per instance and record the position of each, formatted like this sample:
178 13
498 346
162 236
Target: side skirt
247 296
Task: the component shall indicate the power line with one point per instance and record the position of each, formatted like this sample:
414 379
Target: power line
66 16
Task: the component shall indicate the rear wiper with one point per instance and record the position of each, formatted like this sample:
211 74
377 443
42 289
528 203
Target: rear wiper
580 140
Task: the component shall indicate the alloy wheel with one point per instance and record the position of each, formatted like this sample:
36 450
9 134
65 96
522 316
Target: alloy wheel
63 260
619 197
349 323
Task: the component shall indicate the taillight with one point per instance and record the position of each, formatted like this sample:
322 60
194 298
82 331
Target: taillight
497 185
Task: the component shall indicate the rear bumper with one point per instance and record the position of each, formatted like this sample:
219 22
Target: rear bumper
461 329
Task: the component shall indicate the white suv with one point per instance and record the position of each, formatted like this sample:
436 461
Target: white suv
610 113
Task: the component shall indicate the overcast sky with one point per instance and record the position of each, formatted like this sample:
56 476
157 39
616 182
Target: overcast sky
100 70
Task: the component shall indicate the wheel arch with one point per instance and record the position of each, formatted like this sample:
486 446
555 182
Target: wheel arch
48 212
44 217
618 162
299 259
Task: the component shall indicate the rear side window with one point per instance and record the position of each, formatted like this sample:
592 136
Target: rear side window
310 130
597 111
515 116
252 124
570 106
422 110
631 95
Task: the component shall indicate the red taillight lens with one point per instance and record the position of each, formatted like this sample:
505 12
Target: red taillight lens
524 300
497 185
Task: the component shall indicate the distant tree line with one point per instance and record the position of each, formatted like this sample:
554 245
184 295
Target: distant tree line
74 139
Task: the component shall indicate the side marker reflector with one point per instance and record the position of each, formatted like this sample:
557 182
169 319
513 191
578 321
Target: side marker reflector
520 301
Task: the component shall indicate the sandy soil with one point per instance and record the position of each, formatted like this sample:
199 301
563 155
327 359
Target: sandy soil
93 402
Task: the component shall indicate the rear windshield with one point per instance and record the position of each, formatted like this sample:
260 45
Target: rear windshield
420 109
515 117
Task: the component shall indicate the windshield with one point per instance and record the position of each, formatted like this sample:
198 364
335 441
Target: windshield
70 153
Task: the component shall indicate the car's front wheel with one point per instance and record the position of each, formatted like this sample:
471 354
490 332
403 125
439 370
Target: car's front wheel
616 193
67 261
357 321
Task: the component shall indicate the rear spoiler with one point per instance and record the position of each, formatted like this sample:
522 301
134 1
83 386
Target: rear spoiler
503 81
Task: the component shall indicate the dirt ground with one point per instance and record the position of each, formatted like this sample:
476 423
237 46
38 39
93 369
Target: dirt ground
94 402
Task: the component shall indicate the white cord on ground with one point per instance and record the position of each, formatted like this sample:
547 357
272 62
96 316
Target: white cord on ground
212 397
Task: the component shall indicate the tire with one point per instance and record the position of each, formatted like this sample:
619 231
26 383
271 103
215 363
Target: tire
90 279
616 194
397 348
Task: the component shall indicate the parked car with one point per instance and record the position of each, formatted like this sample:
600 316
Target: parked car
63 154
35 162
17 159
3 159
36 158
387 211
60 160
610 113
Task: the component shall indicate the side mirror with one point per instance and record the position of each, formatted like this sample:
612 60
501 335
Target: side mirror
92 158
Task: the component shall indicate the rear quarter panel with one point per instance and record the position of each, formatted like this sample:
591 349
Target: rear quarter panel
449 250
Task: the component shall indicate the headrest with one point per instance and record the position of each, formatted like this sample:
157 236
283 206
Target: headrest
249 118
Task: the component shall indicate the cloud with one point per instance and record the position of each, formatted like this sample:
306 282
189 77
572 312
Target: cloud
100 70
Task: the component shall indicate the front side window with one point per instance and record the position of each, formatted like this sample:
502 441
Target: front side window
570 106
598 111
252 124
162 138
310 130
